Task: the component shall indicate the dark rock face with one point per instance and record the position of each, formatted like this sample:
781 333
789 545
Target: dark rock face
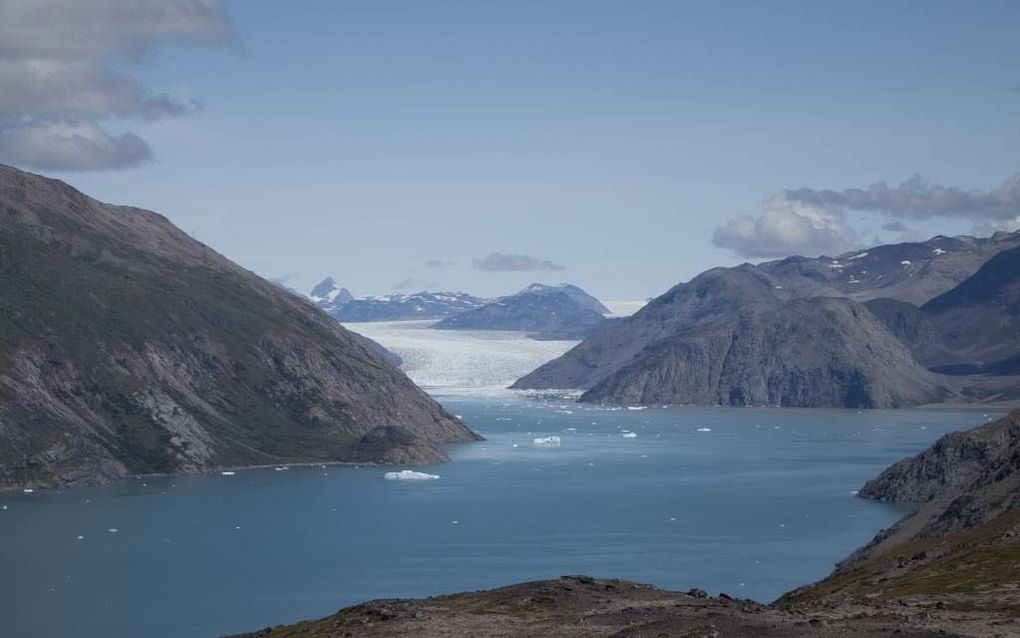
953 463
730 337
396 307
978 322
127 347
545 312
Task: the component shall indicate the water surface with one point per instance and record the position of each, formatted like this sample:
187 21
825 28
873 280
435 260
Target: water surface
757 505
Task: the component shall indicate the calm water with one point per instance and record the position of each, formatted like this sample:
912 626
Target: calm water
756 506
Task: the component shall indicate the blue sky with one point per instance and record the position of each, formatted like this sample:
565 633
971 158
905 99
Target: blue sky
362 139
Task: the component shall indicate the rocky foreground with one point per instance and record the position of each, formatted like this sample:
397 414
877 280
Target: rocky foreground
951 568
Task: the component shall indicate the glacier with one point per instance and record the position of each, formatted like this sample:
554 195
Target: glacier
460 362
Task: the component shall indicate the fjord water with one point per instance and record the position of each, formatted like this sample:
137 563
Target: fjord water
757 505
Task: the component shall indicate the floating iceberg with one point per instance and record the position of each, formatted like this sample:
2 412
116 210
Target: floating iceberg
547 441
228 473
703 430
409 475
627 434
637 407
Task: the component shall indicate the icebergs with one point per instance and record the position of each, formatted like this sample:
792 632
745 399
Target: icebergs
228 473
703 430
627 434
409 475
637 407
547 441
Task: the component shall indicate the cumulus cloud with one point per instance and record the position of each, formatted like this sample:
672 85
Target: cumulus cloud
787 227
514 262
812 222
62 76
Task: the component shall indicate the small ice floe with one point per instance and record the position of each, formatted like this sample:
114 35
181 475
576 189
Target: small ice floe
28 490
939 251
547 441
282 468
513 445
905 262
3 508
858 256
454 522
113 530
703 430
637 407
228 473
80 537
627 434
409 475
567 411
571 429
237 527
853 492
672 518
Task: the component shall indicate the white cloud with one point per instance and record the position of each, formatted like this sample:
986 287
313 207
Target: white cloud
786 228
72 146
62 75
806 221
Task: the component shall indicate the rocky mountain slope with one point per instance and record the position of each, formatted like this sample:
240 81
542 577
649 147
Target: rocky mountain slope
914 272
960 550
127 347
731 337
547 312
977 323
951 568
793 332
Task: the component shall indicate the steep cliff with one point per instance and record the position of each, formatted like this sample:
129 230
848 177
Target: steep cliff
127 347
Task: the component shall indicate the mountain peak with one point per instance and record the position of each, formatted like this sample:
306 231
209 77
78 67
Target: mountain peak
330 291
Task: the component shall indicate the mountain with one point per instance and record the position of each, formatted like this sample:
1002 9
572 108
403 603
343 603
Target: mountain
576 294
547 312
950 568
730 337
977 323
397 307
960 548
913 272
794 332
127 347
328 291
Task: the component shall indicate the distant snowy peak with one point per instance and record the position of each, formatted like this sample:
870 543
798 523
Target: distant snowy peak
399 307
329 291
576 294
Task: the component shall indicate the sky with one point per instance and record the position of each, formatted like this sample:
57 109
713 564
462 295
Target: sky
481 146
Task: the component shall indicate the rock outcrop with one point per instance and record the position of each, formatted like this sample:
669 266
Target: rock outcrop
127 347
